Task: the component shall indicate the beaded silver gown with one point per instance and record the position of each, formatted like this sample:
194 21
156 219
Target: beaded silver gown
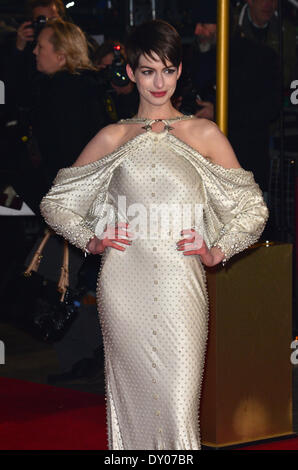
152 299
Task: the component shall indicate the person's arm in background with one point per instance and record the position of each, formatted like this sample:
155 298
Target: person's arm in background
19 67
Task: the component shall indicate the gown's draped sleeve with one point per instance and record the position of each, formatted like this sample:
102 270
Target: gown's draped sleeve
238 203
76 207
235 213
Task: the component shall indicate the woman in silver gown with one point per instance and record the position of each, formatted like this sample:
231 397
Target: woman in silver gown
160 195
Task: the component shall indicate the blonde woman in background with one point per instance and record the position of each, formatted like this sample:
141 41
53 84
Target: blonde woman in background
68 112
69 109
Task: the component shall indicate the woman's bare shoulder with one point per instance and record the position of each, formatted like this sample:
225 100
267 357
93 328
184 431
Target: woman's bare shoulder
107 140
203 127
210 141
196 132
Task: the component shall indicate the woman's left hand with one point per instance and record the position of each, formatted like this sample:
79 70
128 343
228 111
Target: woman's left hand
195 245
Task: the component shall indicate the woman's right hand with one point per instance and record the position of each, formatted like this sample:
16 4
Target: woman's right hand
24 35
111 236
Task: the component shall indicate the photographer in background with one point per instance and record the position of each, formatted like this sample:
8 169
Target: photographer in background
258 21
22 87
254 90
26 95
198 81
38 8
19 61
121 98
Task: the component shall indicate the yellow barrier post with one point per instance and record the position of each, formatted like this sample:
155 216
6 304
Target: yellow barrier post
222 64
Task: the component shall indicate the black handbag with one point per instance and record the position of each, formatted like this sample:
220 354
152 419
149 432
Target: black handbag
41 306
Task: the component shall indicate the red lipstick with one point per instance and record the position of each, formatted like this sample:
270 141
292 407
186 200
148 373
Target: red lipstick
158 94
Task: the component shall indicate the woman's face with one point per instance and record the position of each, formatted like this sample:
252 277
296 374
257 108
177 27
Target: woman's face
156 81
105 61
47 60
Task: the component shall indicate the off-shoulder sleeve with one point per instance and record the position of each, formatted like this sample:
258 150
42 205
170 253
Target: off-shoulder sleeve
235 213
239 205
69 206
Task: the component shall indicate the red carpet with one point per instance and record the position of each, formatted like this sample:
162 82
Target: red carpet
281 444
42 417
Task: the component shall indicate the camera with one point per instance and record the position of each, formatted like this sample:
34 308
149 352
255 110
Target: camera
116 72
37 25
111 79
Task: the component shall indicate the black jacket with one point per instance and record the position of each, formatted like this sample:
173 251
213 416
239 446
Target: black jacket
67 113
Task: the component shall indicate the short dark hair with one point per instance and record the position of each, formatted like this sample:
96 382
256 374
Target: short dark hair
154 36
31 4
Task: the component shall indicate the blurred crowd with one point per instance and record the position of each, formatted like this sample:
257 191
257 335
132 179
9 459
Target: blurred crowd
62 87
